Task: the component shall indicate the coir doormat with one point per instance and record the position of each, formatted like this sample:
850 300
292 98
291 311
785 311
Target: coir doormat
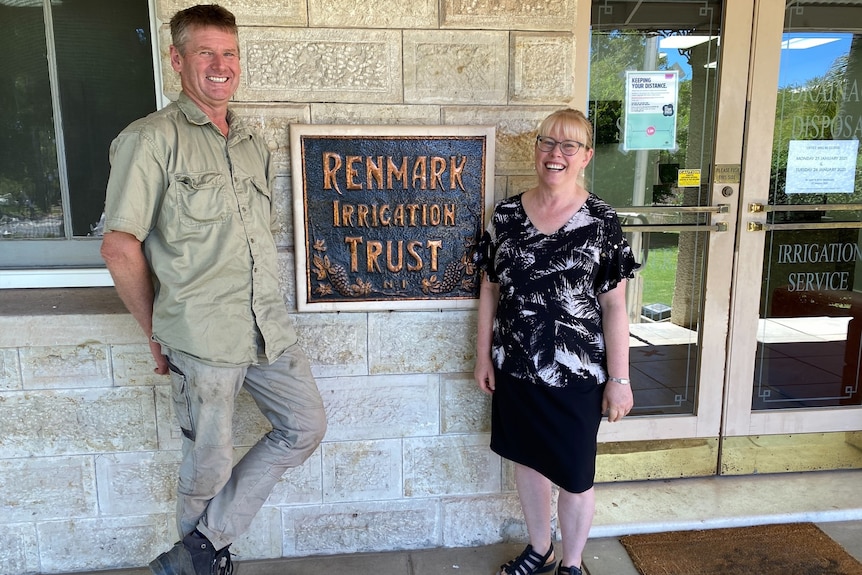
785 549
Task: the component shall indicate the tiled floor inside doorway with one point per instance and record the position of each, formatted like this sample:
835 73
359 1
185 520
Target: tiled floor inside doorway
800 363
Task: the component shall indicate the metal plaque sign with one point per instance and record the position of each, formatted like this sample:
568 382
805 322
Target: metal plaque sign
387 217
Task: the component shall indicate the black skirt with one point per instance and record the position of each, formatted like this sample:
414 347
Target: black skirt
549 429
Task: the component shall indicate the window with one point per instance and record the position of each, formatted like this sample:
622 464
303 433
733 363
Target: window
75 73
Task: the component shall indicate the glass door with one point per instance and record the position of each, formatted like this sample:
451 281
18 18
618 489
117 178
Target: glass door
669 125
796 339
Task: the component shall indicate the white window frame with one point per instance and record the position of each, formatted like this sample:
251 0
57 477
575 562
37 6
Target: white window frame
58 277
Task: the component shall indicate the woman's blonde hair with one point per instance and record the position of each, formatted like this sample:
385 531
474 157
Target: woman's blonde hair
573 124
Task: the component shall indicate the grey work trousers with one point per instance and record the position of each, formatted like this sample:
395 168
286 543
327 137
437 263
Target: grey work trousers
213 495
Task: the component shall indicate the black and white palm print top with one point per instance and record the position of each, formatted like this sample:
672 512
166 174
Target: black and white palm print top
548 327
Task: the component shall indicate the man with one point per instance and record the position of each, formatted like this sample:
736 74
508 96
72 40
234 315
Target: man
189 243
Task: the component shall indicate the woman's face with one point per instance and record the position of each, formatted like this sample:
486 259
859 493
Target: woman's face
556 168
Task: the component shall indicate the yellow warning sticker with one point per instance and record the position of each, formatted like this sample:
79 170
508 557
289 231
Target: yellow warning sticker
688 178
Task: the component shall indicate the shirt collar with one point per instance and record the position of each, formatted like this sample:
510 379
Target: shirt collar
238 128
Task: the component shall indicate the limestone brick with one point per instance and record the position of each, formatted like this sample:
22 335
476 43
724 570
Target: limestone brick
515 133
248 12
455 67
71 329
519 184
464 408
509 14
287 278
10 369
170 79
18 548
458 464
380 114
365 408
59 367
282 201
509 476
137 483
262 540
360 527
145 483
73 545
481 520
133 364
44 488
542 68
362 470
408 14
300 485
309 65
272 121
422 342
335 343
249 424
500 183
77 421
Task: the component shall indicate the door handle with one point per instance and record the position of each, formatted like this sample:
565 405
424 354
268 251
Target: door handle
638 213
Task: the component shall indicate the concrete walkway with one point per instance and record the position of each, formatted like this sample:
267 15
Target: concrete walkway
832 500
605 556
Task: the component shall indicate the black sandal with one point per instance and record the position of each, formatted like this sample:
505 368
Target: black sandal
568 570
530 563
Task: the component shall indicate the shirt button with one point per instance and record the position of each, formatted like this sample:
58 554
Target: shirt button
251 240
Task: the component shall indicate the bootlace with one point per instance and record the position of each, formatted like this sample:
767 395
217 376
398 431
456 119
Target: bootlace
222 564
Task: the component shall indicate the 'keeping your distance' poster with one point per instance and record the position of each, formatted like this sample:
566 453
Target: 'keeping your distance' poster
651 110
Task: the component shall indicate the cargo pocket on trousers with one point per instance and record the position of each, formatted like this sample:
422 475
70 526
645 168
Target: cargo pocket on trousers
182 402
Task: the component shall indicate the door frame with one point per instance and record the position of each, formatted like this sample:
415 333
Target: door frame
731 107
739 419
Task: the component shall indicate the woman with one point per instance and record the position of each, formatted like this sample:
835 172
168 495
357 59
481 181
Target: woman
552 345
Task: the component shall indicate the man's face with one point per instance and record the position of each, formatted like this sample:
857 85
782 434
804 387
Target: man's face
209 67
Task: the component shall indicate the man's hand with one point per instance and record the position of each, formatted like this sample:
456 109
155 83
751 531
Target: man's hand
161 360
130 271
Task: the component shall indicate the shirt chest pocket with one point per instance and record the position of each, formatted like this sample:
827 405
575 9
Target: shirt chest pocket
201 198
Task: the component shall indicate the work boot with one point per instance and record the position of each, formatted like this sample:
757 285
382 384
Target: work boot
223 564
194 555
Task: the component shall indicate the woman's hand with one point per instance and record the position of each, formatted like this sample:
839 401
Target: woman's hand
489 295
617 401
484 374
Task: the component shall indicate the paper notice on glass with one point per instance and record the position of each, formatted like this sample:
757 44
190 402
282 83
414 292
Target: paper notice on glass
651 110
821 166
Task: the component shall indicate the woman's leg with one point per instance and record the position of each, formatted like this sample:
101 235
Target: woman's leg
534 491
575 512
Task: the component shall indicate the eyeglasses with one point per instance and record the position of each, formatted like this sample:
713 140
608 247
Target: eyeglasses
567 147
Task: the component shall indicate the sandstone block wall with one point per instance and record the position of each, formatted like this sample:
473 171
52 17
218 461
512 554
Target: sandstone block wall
88 444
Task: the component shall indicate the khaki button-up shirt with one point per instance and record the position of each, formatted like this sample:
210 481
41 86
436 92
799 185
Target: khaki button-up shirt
201 204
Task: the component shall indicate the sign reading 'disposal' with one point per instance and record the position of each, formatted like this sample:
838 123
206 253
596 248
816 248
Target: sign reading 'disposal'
388 217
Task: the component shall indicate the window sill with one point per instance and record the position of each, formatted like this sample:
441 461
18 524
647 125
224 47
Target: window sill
61 301
55 278
63 317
